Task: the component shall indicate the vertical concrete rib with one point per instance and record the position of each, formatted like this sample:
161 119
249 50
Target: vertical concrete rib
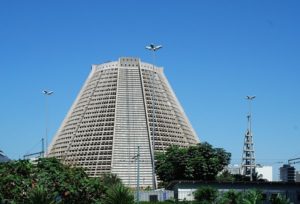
131 126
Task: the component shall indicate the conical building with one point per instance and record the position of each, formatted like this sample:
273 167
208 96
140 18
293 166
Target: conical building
3 157
113 114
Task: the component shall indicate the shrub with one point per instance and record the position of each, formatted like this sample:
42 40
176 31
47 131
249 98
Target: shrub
206 195
118 194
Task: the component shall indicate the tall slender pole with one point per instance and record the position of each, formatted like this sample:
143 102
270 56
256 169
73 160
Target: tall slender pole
153 48
250 111
43 146
46 93
46 125
153 122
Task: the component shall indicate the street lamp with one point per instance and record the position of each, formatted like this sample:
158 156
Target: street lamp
153 48
46 93
137 158
250 98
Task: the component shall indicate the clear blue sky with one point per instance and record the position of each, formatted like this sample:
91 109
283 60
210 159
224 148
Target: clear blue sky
215 53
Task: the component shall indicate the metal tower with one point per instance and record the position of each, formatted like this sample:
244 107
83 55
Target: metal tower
248 158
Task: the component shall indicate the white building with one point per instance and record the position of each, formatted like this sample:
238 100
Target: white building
234 169
265 171
113 114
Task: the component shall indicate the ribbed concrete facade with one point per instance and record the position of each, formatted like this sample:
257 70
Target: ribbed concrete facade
113 115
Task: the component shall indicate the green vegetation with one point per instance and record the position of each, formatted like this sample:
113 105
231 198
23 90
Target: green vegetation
279 199
231 197
200 162
227 176
118 194
209 195
206 195
49 181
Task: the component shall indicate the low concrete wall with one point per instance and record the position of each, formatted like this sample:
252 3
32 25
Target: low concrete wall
160 195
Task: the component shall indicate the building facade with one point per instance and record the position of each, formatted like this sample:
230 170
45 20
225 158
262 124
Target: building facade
287 173
297 176
123 105
234 169
266 172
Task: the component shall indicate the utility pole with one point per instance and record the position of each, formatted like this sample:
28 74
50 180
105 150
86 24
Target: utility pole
153 48
138 176
38 154
43 147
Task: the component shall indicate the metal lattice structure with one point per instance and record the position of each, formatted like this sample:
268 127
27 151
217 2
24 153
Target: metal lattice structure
113 115
248 158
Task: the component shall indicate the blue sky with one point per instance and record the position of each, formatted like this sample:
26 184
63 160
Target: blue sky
215 53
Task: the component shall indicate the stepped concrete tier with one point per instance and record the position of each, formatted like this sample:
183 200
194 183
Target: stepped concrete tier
113 114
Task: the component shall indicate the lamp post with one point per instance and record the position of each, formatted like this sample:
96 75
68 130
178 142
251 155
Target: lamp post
250 98
46 94
252 164
137 158
153 48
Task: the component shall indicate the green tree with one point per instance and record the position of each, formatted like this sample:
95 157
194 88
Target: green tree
279 199
15 180
206 195
231 197
258 177
252 197
47 180
39 195
110 179
240 177
225 176
171 165
118 194
63 182
199 162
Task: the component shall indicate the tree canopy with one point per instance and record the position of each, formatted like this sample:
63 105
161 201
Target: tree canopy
47 180
199 162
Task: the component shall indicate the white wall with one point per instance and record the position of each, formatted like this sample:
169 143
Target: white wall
186 194
266 171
